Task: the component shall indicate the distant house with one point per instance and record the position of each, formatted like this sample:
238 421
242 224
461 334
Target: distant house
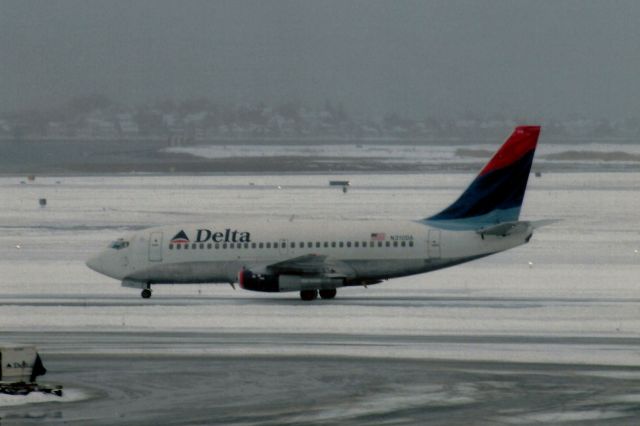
127 125
97 126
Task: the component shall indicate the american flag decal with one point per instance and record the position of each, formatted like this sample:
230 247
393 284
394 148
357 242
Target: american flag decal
378 236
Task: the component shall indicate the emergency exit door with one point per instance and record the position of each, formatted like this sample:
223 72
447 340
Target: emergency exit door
155 247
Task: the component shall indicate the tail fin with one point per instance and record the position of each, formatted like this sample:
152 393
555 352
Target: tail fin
496 194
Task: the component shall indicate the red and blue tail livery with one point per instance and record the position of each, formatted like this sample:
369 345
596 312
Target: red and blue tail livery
496 194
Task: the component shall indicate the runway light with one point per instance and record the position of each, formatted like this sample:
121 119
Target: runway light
530 264
18 246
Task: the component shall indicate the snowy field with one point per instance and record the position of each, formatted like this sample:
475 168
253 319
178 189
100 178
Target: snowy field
579 277
571 297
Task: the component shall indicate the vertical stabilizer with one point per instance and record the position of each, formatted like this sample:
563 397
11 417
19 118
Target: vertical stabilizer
496 194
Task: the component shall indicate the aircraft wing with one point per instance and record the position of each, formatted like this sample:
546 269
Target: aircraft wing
311 264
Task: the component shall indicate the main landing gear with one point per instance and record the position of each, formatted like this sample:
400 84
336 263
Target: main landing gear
328 294
308 295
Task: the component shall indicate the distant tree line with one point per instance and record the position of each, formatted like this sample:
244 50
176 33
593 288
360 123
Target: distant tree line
96 116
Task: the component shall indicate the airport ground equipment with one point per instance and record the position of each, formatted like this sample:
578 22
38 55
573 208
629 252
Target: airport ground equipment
20 365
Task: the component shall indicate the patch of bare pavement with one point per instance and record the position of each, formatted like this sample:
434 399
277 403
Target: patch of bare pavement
144 387
126 157
123 157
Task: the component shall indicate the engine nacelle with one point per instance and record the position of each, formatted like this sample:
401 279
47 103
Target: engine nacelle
277 283
256 282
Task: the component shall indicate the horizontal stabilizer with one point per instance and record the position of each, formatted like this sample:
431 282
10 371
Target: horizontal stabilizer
544 222
508 228
503 229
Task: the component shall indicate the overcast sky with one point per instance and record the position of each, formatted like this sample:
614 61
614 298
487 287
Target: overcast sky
527 58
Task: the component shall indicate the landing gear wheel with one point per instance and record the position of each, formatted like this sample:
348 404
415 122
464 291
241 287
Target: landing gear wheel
328 294
309 295
146 293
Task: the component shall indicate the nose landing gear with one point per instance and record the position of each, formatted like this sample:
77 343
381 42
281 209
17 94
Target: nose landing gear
146 293
308 295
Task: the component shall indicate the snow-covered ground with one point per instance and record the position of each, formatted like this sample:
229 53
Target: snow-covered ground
69 395
577 279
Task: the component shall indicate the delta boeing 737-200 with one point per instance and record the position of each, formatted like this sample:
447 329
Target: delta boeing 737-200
318 257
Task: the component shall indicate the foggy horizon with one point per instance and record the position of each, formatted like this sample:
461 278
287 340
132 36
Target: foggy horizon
530 59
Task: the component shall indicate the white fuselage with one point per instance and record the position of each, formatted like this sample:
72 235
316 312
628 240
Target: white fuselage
360 251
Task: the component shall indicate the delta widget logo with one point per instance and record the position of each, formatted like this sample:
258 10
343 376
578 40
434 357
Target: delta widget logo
180 238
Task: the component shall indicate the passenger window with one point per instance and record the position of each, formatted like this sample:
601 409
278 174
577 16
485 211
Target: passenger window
246 245
201 246
275 245
232 245
186 246
333 243
364 244
194 246
170 246
395 244
268 245
261 245
178 246
403 244
348 243
356 244
209 245
317 244
388 244
379 243
293 245
309 244
217 246
410 243
301 245
341 244
224 246
253 245
326 244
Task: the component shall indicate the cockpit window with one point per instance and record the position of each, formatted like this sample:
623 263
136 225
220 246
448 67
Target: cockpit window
119 244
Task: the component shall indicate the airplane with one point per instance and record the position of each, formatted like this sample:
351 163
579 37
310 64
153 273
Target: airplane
318 257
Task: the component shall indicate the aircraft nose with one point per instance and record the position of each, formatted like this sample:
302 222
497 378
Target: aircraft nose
95 263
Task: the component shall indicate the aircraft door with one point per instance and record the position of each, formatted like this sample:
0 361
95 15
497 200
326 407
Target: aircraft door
433 245
155 247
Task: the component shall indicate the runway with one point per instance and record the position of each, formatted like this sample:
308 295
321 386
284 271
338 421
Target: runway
168 378
548 333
